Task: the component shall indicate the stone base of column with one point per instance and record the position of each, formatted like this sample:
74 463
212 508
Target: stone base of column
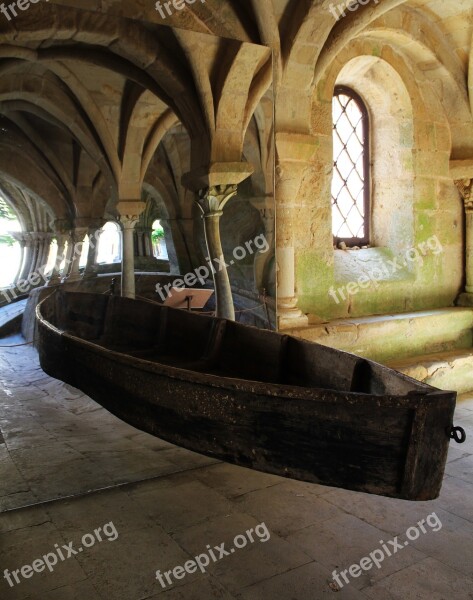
289 316
465 299
54 280
72 278
90 274
151 263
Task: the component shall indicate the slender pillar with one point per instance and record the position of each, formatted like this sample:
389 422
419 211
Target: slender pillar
166 224
216 184
465 187
41 241
179 234
35 246
28 256
295 155
148 242
68 260
21 239
144 256
144 247
46 241
211 203
55 278
129 212
43 250
77 245
265 206
138 241
90 270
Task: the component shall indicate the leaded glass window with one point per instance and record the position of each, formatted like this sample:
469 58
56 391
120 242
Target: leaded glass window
351 168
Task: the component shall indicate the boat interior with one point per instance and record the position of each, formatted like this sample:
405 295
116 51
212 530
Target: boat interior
201 343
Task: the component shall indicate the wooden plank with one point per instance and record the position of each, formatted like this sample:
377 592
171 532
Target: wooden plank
257 398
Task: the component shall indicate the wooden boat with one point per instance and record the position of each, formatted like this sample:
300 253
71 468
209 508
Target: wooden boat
250 397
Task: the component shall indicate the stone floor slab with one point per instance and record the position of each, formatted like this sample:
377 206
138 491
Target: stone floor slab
168 505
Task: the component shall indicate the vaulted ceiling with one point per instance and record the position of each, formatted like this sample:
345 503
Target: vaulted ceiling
88 96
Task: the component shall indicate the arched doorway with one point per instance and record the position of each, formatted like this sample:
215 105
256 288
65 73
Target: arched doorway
10 250
110 244
159 241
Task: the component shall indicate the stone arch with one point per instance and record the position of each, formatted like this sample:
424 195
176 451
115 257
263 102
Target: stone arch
392 144
149 121
12 170
417 203
410 128
112 238
156 208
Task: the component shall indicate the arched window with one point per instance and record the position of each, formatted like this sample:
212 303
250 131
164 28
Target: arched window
109 248
159 241
351 169
10 250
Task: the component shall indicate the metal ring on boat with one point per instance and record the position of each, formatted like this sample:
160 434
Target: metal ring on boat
457 433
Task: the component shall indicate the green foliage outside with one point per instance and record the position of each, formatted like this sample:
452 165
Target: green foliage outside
6 213
7 239
157 235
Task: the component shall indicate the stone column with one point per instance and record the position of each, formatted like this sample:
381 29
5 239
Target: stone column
465 187
38 247
138 241
21 239
265 207
35 252
29 256
211 203
46 248
77 244
182 236
148 242
129 212
167 225
295 154
68 256
63 232
144 247
93 232
55 278
144 256
215 185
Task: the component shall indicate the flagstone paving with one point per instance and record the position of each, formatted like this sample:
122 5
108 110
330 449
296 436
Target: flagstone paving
68 467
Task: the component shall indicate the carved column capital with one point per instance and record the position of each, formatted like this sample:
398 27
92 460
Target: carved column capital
62 226
28 237
465 187
129 221
129 211
264 205
78 234
212 200
19 236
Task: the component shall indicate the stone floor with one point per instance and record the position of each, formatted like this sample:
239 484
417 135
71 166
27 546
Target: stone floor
67 468
8 312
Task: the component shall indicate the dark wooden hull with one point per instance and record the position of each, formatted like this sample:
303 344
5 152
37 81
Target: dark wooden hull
384 434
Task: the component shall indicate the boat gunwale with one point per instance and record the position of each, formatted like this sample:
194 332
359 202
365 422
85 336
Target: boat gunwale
412 400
